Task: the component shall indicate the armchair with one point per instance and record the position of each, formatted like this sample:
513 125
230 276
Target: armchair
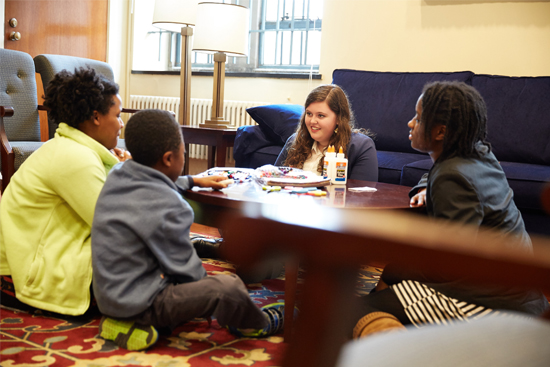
19 121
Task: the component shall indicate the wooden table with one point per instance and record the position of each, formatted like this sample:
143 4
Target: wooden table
217 140
335 251
213 207
216 208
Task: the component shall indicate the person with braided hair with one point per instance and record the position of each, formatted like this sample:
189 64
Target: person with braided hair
328 120
466 185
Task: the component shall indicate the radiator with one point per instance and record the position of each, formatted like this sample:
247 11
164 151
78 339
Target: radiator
201 109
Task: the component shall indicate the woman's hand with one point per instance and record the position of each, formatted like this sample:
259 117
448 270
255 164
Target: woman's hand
121 154
419 199
215 182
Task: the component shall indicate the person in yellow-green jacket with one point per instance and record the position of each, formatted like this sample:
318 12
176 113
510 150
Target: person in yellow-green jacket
47 209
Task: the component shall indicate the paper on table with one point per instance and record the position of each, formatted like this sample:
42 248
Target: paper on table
362 189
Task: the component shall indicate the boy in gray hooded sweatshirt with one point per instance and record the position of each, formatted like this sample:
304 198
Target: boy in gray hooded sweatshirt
146 273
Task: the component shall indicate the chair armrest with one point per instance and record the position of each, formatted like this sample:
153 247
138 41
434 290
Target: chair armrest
6 152
5 112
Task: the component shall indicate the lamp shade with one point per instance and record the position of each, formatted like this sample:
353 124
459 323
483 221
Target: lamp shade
222 28
172 14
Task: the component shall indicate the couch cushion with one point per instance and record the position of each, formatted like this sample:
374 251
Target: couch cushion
390 165
277 121
384 102
518 116
263 156
248 140
527 181
412 172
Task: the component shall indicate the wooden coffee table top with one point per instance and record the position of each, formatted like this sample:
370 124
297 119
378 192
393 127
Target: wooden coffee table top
210 205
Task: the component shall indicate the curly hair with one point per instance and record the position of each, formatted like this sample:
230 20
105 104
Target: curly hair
462 110
151 133
72 98
338 103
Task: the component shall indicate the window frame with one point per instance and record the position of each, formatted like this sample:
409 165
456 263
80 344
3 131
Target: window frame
254 62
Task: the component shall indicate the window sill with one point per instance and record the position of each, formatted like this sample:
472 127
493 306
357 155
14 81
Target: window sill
229 74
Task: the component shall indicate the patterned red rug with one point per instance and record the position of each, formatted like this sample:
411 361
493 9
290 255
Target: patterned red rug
37 340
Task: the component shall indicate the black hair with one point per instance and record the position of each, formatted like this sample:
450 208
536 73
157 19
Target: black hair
72 98
151 133
462 110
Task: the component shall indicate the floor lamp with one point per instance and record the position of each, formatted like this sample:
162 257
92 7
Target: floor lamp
221 29
178 16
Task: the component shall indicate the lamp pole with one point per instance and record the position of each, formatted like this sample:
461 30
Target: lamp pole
184 117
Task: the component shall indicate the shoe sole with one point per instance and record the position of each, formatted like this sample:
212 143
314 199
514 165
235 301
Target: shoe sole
127 334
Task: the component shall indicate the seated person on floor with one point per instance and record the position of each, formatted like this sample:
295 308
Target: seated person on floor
466 185
47 209
147 274
328 120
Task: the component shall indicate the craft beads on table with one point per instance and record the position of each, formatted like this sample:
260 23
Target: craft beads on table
271 188
235 175
317 193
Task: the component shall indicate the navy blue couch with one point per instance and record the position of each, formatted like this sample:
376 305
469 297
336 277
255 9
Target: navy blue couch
518 129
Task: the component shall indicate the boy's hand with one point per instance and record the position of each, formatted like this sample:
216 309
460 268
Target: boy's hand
214 182
419 199
121 154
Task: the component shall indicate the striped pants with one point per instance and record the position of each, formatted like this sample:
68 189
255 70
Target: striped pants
423 305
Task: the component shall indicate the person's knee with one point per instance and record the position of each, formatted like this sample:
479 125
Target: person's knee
228 283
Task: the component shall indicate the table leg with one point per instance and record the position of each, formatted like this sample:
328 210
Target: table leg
221 151
186 166
328 307
291 283
211 156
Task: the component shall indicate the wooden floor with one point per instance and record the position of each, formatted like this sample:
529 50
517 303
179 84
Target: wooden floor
209 231
197 166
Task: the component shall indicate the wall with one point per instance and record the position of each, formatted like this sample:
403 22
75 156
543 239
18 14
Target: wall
2 6
493 37
118 44
508 38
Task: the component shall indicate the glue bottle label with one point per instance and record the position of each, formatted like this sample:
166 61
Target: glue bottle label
341 170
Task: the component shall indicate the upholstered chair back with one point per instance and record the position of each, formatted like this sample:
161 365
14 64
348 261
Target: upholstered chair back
49 65
18 90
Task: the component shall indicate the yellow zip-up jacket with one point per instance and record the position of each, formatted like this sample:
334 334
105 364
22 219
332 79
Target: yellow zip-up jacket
46 215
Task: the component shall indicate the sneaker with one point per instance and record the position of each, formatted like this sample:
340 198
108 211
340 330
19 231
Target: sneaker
376 322
207 247
275 313
127 334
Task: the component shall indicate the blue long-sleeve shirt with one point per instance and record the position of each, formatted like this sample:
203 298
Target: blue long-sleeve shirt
361 155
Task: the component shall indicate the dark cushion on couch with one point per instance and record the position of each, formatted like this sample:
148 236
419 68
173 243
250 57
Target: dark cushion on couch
518 110
277 121
384 102
412 172
248 140
390 165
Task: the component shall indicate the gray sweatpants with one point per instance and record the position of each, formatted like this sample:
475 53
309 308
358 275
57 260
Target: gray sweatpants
223 296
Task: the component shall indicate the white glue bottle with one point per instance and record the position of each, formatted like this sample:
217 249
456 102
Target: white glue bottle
329 165
341 168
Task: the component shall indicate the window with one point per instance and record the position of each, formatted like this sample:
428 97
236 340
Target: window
289 34
285 36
